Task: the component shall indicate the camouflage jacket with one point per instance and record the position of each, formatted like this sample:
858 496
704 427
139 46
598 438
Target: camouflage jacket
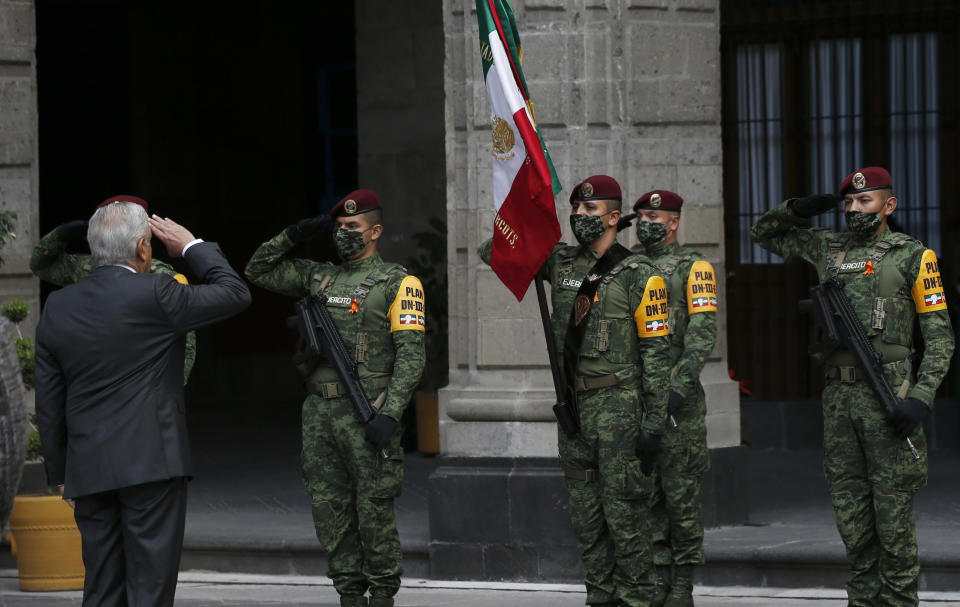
891 281
51 262
376 306
627 328
692 289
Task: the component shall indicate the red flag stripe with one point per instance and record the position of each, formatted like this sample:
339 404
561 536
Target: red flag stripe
532 143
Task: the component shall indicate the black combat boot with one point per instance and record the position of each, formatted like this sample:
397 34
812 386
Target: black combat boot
663 586
681 594
353 600
381 601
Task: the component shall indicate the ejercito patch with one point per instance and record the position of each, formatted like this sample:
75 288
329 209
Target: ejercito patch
701 288
651 314
181 279
408 310
928 289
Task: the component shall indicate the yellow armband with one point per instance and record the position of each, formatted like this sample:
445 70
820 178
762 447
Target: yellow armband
701 288
408 310
928 289
651 315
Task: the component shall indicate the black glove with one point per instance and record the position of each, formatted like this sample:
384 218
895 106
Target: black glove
306 229
72 229
648 446
675 403
815 205
907 415
379 430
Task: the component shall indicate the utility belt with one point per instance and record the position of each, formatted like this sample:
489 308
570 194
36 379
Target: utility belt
578 474
334 389
853 374
584 384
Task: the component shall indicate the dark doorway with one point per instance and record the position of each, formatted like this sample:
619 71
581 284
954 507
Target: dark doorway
233 118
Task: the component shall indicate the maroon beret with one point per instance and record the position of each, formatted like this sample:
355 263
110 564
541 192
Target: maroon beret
125 198
356 203
866 179
598 187
659 200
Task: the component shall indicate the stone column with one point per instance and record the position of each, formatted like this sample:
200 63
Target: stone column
630 88
18 153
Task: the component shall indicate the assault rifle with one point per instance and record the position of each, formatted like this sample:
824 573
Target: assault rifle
839 327
322 339
626 221
565 408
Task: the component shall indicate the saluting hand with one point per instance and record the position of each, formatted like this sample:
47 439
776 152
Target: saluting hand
171 234
815 205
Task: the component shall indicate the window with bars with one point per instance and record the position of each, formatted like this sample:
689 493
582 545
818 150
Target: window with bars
834 130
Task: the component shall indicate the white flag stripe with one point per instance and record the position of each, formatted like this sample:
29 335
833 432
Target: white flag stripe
507 165
507 82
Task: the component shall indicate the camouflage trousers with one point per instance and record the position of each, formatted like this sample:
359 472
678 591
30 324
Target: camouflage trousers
352 489
610 512
676 508
872 478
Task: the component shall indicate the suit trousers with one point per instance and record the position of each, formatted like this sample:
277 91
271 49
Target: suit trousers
131 540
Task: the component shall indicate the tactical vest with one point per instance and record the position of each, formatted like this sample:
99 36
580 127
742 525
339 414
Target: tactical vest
610 341
568 273
879 293
677 294
358 302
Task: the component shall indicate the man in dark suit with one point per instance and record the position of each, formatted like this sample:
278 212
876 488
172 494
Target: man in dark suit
109 370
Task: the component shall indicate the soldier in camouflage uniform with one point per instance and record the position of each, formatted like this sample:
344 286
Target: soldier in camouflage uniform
892 281
620 383
677 522
378 310
51 262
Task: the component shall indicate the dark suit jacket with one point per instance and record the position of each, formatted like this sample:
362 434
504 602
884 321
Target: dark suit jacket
109 371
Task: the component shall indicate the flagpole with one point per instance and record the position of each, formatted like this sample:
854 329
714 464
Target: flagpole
562 410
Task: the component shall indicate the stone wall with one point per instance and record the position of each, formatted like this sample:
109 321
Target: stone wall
18 152
400 116
630 88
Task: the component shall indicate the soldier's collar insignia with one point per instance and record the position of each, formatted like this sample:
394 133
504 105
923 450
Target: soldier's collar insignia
859 181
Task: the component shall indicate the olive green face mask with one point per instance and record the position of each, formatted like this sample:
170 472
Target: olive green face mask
862 223
348 242
587 228
651 233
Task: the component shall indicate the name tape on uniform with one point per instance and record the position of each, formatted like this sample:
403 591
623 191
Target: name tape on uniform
408 310
927 291
651 315
701 288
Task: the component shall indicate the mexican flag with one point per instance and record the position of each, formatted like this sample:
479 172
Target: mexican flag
525 228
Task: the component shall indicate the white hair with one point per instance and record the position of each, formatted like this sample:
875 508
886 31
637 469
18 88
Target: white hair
114 232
